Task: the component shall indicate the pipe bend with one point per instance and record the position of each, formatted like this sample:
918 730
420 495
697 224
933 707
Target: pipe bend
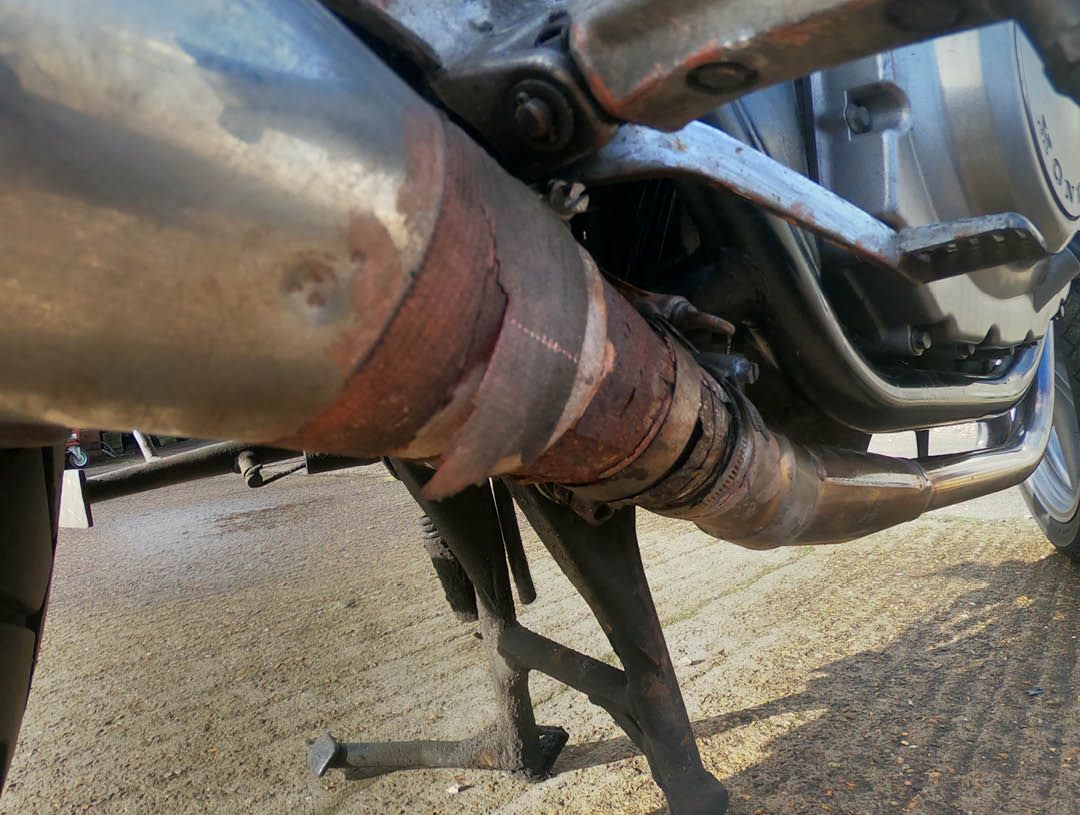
749 485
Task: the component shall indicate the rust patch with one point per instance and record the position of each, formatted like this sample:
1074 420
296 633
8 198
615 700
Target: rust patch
626 410
311 284
424 152
441 322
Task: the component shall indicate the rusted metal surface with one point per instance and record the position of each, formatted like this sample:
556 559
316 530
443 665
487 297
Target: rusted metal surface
604 564
627 408
222 161
459 591
469 524
423 302
705 154
516 558
504 326
742 482
658 452
806 333
666 63
163 471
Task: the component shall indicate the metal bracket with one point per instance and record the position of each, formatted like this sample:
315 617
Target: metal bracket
664 64
524 95
705 154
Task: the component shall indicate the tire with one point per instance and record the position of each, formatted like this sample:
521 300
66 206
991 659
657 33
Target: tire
1053 490
77 457
29 505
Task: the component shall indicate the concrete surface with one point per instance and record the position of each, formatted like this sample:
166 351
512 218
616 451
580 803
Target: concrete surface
200 637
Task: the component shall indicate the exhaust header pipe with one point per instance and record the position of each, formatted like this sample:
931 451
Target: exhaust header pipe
231 220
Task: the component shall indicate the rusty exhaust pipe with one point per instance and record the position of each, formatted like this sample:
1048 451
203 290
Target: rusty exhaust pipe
233 221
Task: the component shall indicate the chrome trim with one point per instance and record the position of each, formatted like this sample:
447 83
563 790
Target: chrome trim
960 477
1055 484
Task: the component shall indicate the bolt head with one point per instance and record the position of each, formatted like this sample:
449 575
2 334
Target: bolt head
534 118
858 118
721 77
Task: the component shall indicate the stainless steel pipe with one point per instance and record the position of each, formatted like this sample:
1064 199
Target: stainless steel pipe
182 188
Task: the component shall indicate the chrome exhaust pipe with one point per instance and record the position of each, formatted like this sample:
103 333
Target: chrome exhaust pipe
764 491
197 201
230 220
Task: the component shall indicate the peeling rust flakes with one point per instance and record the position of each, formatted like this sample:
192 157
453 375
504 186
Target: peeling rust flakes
311 283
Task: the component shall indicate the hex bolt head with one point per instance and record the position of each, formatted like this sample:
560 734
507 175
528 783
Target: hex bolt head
859 119
542 116
534 118
721 77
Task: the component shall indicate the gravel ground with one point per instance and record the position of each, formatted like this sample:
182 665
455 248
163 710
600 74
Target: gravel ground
200 637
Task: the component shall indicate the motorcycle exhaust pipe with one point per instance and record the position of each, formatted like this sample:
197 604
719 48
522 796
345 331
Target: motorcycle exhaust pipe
231 220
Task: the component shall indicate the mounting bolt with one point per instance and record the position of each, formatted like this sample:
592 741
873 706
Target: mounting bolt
858 118
534 118
542 117
920 341
721 77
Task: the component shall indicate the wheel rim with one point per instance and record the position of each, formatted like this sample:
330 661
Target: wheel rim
1056 482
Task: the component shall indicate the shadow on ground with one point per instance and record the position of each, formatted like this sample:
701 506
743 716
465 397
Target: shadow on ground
975 707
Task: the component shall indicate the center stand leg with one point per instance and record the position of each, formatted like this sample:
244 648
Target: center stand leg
604 564
469 523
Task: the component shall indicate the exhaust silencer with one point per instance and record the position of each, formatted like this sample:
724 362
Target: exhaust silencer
231 220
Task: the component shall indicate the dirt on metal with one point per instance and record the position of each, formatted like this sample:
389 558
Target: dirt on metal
200 637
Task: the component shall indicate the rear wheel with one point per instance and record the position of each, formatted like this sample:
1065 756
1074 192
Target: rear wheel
1053 490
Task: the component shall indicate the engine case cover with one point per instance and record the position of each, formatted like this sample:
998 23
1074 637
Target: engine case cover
961 126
